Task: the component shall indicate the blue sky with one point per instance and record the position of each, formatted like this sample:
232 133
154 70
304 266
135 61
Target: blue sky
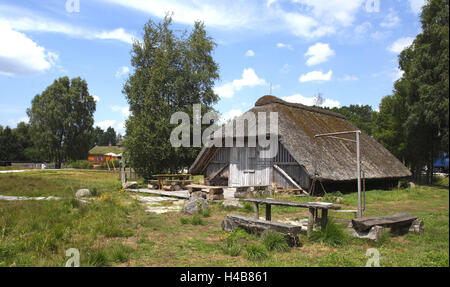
344 49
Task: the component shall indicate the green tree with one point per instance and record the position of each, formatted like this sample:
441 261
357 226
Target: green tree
9 146
61 120
361 116
423 92
171 73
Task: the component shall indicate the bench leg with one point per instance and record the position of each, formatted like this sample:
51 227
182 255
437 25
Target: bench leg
311 221
256 210
268 212
324 219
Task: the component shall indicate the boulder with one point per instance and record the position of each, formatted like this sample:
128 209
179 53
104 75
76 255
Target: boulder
194 205
375 233
83 193
232 202
412 184
130 184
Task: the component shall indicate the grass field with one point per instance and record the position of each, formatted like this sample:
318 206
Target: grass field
114 230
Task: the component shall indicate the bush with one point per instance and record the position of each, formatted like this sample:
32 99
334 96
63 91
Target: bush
197 220
97 258
255 252
80 164
333 235
184 221
205 212
275 241
231 248
119 252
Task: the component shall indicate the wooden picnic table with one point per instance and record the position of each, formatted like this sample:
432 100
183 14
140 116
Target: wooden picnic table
312 206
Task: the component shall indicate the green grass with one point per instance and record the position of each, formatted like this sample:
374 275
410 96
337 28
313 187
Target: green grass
114 230
275 241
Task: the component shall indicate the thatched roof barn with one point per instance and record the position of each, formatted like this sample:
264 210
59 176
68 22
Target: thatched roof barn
301 156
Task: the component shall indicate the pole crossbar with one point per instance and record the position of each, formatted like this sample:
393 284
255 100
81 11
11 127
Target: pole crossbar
358 160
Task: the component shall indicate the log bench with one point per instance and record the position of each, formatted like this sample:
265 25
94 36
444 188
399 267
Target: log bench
206 191
259 226
313 207
398 223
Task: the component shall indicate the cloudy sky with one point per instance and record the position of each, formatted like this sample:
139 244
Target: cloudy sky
344 49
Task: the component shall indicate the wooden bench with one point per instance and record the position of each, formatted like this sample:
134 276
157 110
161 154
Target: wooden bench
259 226
399 223
312 206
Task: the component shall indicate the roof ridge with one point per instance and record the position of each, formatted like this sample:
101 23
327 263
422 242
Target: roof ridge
268 99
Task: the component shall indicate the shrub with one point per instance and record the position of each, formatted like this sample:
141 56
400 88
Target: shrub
255 252
197 220
332 234
119 252
97 258
231 248
205 212
184 220
275 241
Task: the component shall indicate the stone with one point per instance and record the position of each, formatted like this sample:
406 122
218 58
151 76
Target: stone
241 194
83 193
375 233
130 184
232 202
412 184
416 226
194 205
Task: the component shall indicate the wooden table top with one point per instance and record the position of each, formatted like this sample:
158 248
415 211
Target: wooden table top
320 205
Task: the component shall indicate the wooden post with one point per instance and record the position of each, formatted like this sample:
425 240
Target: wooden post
324 218
268 212
256 209
311 221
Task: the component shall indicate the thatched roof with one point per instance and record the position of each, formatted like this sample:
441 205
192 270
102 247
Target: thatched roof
102 150
324 158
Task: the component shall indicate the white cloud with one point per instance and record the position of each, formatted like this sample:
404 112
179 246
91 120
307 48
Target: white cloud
122 71
400 44
350 78
282 45
124 110
106 124
249 79
310 101
96 98
416 5
249 53
20 55
315 76
311 19
391 20
231 114
27 21
397 74
318 53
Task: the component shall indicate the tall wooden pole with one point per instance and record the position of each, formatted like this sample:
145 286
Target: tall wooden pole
358 171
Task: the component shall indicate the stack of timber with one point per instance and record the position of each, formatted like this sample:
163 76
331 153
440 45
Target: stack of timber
252 191
206 191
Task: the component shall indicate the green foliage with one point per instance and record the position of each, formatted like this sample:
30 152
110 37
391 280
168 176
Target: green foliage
118 252
333 235
361 116
414 121
231 248
255 252
197 220
61 120
80 164
172 71
275 241
104 138
248 207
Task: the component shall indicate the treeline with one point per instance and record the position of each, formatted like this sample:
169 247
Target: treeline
413 122
17 146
